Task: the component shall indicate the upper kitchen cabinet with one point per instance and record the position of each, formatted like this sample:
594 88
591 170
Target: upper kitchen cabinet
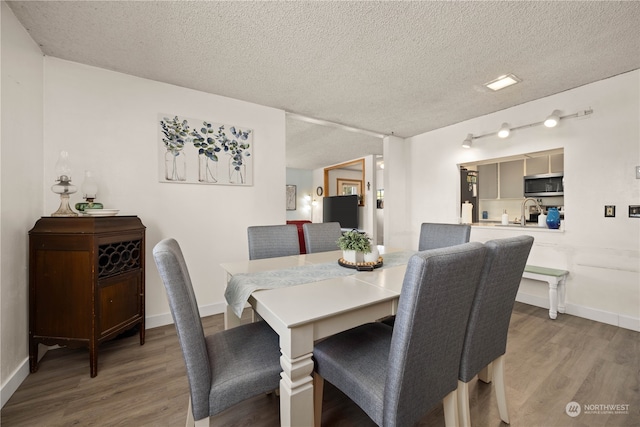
511 174
537 165
548 163
507 174
556 163
488 184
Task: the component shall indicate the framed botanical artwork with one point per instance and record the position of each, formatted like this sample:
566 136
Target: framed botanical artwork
347 187
291 197
203 152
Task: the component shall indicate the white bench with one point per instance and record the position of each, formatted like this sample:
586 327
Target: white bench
556 280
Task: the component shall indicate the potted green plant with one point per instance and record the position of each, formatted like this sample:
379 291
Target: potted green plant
354 245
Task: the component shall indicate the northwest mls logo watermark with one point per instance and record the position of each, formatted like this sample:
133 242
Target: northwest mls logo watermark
573 409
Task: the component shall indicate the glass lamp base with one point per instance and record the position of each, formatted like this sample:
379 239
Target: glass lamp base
64 209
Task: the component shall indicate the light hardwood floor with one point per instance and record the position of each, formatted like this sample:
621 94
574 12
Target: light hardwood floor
549 363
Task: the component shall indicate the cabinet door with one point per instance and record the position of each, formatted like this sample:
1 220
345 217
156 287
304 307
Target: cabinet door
512 179
537 165
488 181
557 163
61 294
120 301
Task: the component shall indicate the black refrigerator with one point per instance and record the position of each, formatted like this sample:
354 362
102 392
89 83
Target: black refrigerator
469 191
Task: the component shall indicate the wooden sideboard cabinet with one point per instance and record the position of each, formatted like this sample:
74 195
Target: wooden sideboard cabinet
86 282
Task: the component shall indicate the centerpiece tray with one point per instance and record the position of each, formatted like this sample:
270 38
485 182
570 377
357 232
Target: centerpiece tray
362 266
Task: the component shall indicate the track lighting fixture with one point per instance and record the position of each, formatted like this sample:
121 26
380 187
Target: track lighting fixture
553 119
504 131
468 141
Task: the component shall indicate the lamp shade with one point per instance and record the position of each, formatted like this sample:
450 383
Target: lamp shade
63 166
89 186
553 119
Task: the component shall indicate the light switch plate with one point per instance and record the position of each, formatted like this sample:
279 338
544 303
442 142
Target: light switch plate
637 172
609 211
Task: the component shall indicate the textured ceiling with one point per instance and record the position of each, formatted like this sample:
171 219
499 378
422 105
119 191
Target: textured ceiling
388 67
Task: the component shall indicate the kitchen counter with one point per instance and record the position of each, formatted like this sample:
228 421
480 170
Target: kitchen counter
530 227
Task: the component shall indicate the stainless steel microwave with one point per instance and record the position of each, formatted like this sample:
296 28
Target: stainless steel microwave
548 184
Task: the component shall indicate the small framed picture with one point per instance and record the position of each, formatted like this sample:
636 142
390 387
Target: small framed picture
291 197
609 211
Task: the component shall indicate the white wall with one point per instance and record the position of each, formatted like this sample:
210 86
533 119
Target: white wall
21 190
108 123
397 204
600 154
303 180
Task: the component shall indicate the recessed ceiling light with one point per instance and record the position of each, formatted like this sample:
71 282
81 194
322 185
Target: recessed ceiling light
502 82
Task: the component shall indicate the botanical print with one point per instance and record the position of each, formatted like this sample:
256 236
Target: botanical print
199 151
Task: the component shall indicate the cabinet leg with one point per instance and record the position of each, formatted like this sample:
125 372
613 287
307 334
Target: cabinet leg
93 360
33 356
141 333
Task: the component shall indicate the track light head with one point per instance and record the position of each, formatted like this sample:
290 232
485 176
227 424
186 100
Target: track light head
504 131
468 141
553 119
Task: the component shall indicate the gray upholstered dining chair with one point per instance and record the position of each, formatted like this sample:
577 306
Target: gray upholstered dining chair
485 341
321 236
434 235
396 375
225 368
270 241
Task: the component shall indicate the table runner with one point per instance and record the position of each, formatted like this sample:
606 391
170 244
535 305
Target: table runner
242 285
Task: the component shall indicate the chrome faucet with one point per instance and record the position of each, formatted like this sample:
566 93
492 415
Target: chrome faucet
523 220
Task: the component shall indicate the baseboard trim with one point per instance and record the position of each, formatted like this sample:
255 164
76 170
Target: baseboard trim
166 319
14 381
610 318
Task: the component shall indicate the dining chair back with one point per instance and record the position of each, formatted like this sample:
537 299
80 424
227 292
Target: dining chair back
321 236
225 368
270 241
434 235
486 336
396 375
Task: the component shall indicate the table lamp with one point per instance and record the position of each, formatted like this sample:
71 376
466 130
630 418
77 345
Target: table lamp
89 191
63 187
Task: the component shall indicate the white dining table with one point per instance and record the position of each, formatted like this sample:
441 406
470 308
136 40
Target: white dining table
305 313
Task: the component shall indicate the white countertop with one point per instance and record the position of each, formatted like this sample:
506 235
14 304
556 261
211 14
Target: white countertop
530 227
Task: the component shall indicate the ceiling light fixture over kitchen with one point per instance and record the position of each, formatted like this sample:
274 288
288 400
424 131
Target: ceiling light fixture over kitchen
553 119
468 141
502 82
505 131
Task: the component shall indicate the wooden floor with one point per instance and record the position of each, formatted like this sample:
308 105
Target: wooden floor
549 363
